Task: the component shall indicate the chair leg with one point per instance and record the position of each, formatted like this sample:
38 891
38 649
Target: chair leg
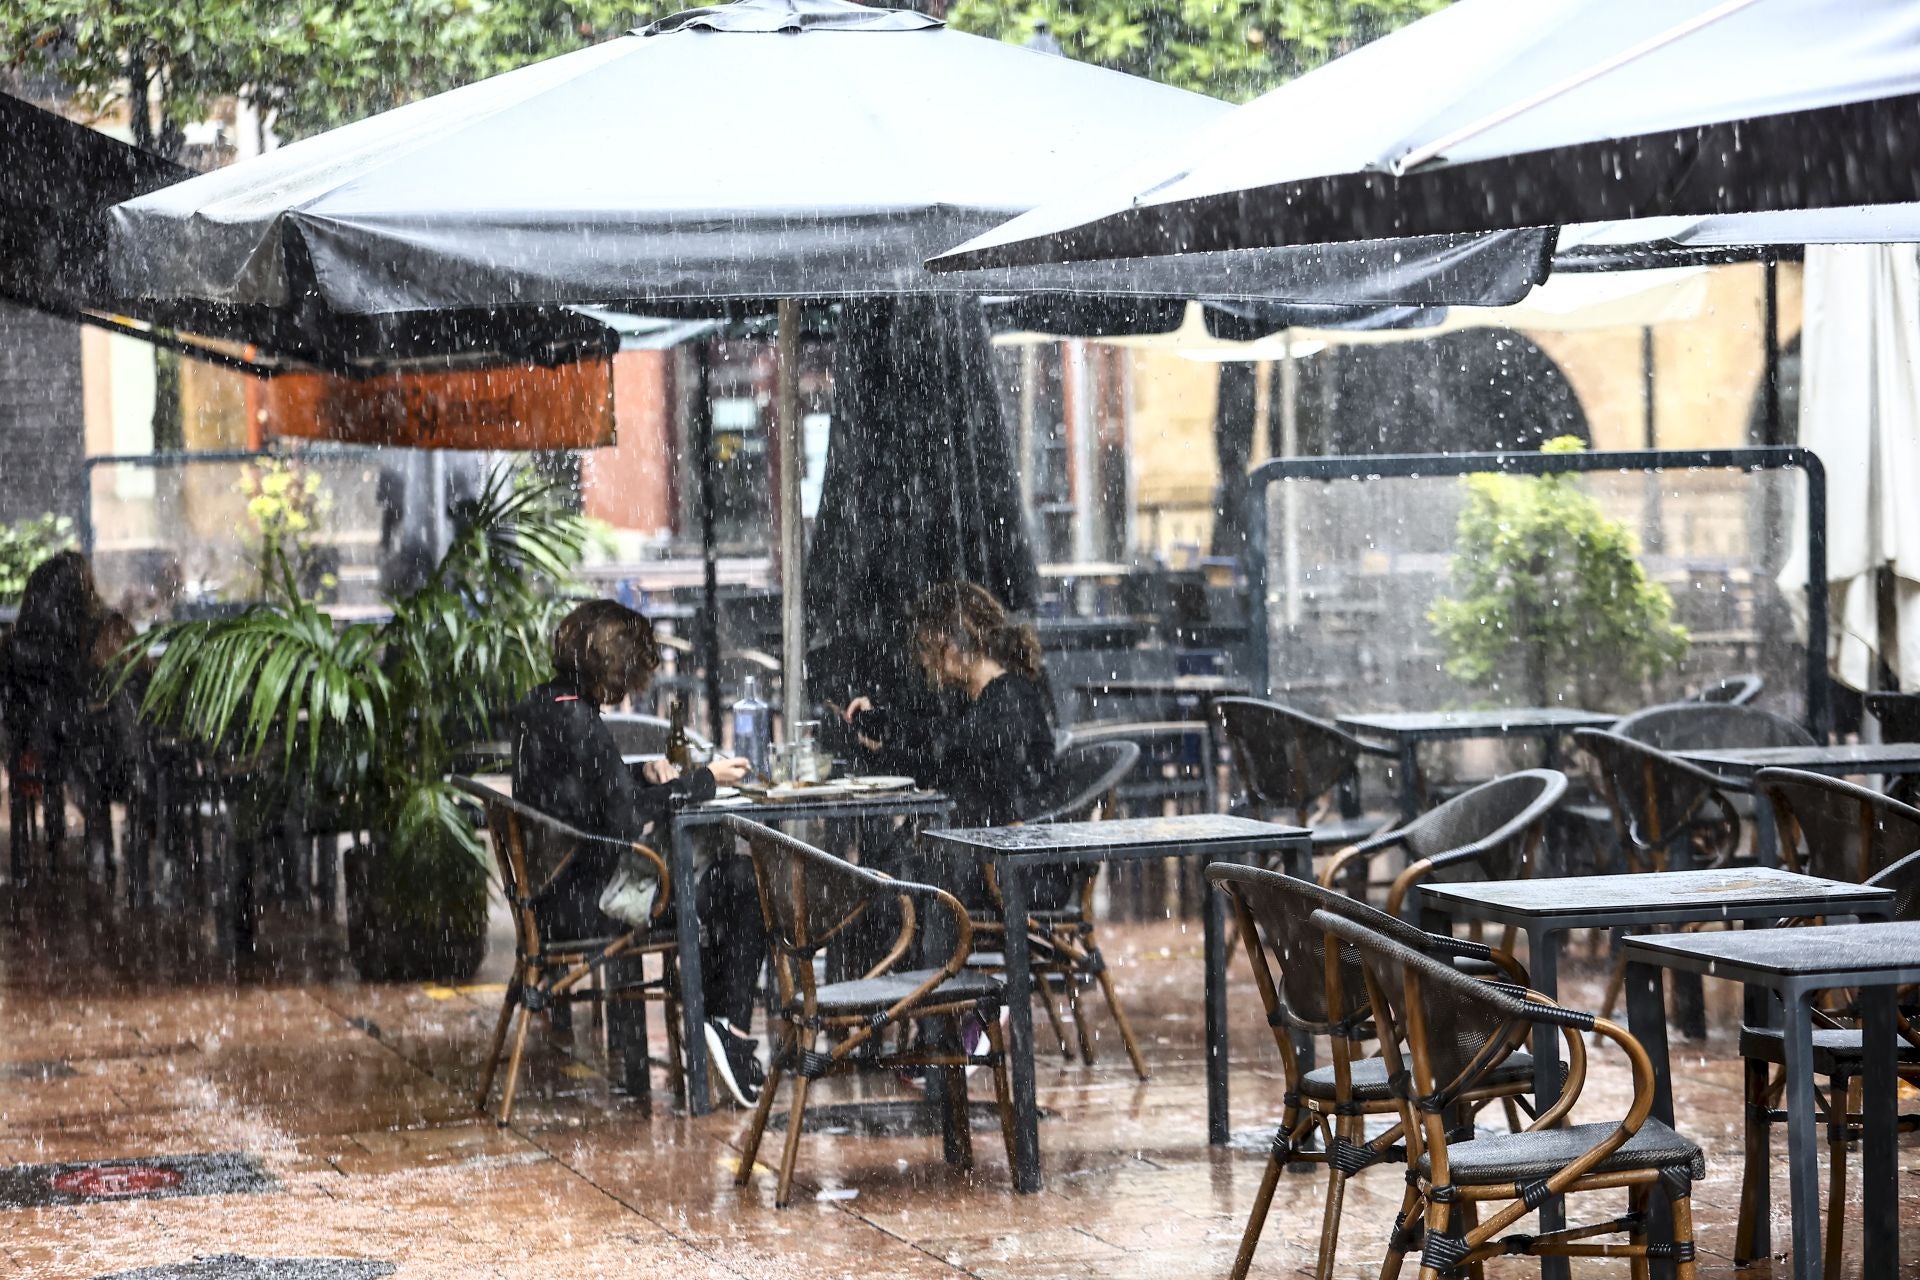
513 1068
676 1061
776 1067
1081 1033
1616 978
1756 1174
1683 1232
1842 1102
1404 1226
505 1020
1002 1092
957 1111
1345 1130
1125 1028
796 1120
1639 1268
1043 986
1262 1202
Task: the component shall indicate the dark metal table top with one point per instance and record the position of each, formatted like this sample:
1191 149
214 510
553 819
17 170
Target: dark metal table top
879 804
1497 722
1843 955
1847 758
1747 893
1191 832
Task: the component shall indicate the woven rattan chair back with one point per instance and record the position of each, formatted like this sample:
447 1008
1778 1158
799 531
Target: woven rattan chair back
1835 829
1499 815
1287 760
1656 799
1706 726
1738 690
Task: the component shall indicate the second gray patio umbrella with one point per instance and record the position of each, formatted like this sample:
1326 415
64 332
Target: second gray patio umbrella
1506 113
765 152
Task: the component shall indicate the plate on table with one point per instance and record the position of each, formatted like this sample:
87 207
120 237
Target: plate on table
725 793
787 793
884 782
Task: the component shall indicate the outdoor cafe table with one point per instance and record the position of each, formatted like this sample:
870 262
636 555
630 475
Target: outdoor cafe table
875 806
1545 909
1406 730
1014 853
1873 958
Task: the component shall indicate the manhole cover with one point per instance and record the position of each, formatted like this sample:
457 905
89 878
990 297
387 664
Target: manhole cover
231 1266
901 1119
27 1186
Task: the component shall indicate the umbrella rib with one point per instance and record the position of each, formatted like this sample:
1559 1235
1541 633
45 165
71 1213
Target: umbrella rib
1433 150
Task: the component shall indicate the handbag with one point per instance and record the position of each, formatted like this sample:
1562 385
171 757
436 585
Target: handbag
629 893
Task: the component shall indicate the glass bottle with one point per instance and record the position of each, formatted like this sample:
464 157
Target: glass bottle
753 728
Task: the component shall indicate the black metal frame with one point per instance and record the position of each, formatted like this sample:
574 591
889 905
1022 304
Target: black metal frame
1421 465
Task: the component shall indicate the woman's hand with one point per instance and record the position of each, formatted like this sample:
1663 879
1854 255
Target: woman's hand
659 772
854 708
727 770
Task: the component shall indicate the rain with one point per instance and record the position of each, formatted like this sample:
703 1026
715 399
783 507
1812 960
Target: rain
805 638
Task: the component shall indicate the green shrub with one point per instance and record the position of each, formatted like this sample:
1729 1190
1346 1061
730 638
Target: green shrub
1549 595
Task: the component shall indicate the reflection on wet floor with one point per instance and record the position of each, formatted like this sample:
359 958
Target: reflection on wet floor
160 1119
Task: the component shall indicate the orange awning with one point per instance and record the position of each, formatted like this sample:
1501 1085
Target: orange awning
567 406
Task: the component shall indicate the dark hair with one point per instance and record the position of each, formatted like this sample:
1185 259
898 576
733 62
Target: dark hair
608 648
966 616
60 603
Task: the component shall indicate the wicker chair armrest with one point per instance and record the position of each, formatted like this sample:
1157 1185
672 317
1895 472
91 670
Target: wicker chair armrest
1365 849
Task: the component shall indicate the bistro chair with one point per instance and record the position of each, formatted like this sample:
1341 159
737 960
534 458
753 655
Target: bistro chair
1899 717
1492 831
1457 1030
809 898
1704 726
1304 995
1738 690
1299 766
1668 814
1065 950
529 850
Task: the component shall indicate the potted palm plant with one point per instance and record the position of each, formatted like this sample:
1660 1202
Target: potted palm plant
364 719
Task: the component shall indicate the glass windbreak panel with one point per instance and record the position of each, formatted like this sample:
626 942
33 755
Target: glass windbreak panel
1606 590
185 538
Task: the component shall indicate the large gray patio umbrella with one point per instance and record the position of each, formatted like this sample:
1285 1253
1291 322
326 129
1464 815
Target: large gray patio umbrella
1509 113
765 152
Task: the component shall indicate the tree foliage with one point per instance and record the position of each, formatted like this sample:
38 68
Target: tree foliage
314 63
1233 49
1549 593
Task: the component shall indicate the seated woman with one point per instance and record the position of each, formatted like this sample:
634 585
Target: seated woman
993 757
567 765
56 680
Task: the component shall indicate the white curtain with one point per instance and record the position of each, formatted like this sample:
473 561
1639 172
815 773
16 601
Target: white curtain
1860 412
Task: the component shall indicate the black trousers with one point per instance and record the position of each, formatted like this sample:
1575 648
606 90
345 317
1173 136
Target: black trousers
734 949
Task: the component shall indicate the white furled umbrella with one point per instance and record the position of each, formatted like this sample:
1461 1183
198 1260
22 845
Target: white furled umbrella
1860 412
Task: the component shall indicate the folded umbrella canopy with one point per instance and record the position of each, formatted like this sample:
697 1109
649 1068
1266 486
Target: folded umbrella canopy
1509 113
772 149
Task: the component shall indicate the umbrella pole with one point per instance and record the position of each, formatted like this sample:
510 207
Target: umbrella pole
709 638
786 396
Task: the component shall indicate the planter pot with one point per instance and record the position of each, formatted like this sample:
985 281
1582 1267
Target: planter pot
415 914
